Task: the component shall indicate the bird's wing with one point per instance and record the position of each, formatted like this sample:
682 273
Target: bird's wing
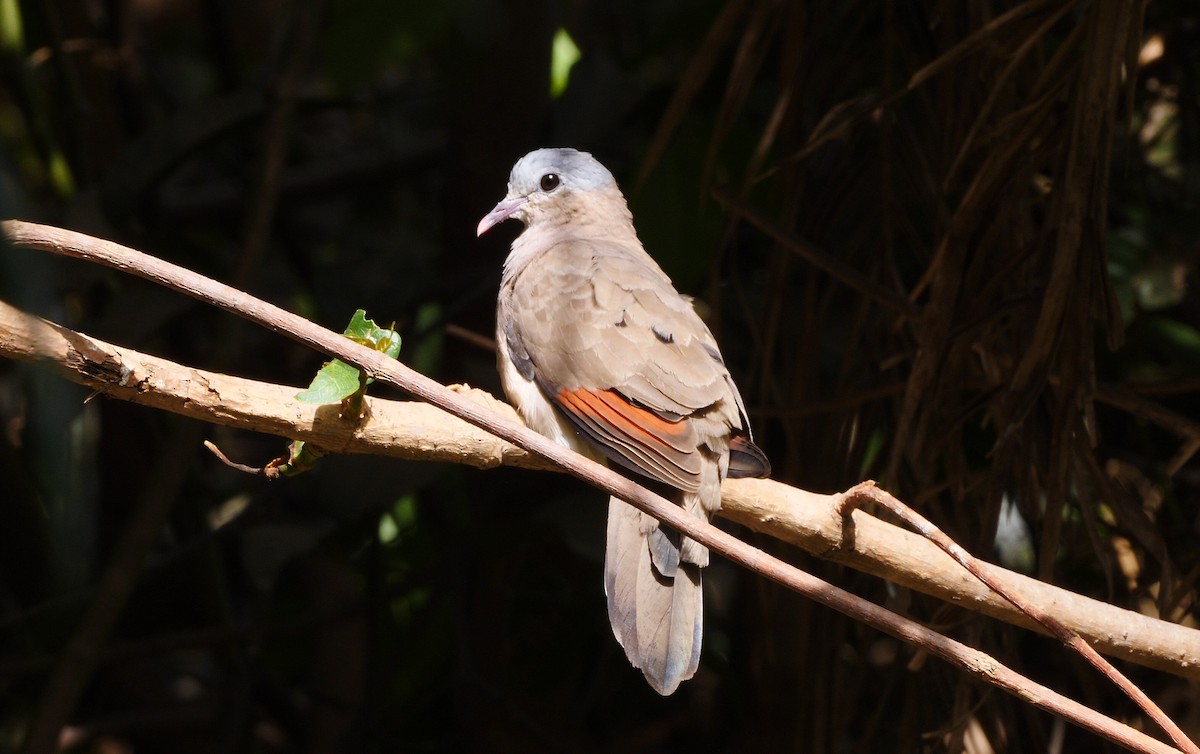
621 354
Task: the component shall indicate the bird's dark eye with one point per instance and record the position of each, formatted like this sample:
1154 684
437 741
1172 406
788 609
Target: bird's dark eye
550 181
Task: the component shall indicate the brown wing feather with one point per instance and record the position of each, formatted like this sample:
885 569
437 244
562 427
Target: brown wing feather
634 436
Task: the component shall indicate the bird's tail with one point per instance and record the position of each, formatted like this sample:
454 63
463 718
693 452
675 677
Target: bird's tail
655 597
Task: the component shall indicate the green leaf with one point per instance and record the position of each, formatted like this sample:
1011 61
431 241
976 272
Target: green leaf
396 521
365 331
360 327
337 380
564 54
12 31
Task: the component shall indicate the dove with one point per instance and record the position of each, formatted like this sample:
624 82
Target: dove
598 352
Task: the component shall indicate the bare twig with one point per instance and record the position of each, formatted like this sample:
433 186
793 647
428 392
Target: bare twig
867 492
255 470
380 367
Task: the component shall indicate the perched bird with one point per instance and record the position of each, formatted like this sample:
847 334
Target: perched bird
598 351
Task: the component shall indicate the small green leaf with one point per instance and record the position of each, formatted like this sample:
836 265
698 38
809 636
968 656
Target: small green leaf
404 512
365 331
388 531
396 521
360 327
389 343
563 55
12 31
60 174
336 381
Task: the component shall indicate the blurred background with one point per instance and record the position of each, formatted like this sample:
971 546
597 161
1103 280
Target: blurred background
944 245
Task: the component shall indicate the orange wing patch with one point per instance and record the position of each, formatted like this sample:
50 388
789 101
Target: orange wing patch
635 436
633 420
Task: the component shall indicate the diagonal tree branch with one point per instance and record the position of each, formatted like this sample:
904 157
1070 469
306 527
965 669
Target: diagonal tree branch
419 431
763 494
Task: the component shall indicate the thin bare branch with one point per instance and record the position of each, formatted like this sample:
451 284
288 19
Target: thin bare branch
867 492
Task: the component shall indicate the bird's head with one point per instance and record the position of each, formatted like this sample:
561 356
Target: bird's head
551 183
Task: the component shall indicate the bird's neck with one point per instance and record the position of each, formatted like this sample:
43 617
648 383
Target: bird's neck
607 222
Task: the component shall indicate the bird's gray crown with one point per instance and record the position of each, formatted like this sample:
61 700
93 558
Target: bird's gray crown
578 170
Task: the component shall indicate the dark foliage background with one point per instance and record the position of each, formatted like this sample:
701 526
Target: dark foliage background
946 245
